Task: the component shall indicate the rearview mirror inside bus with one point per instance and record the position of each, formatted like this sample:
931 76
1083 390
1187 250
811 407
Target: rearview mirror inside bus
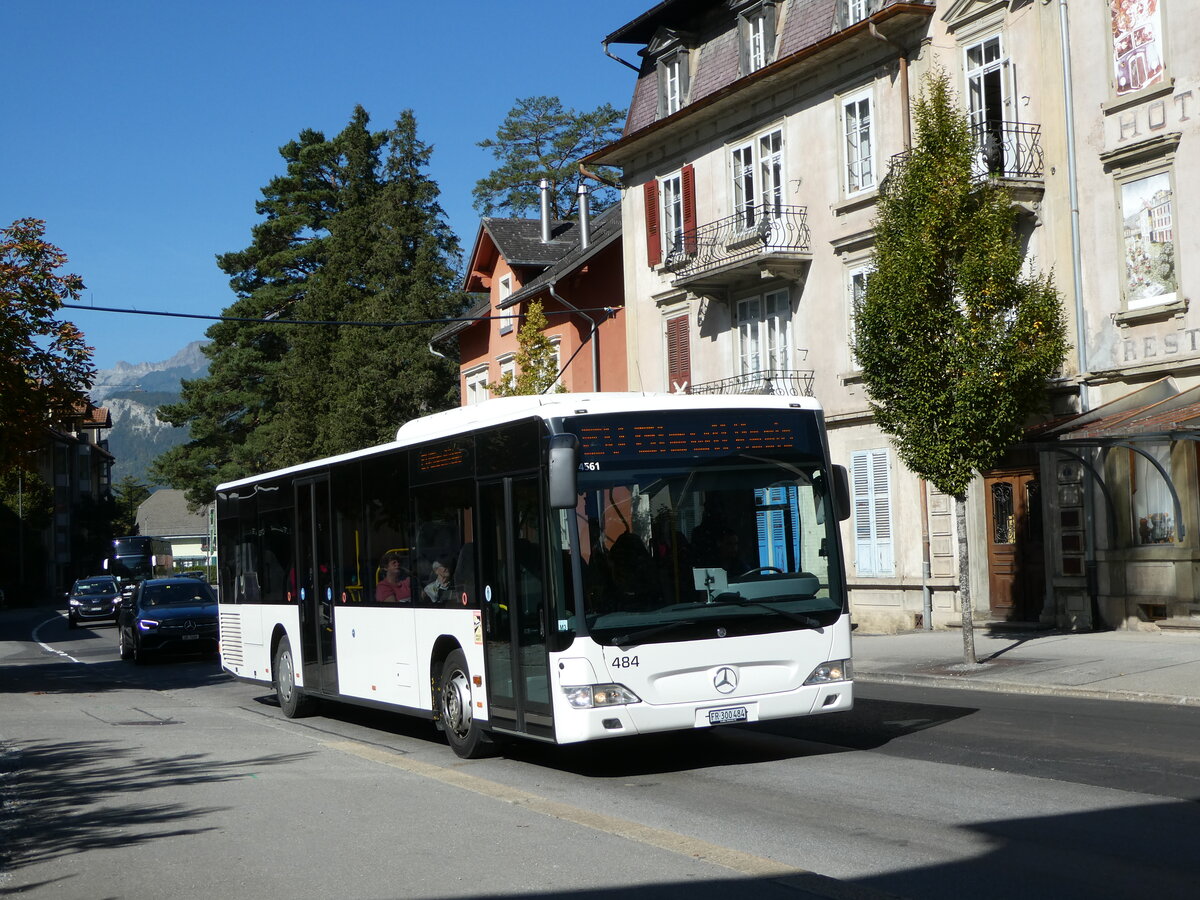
563 469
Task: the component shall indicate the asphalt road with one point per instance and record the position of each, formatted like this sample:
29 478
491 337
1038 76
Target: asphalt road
172 780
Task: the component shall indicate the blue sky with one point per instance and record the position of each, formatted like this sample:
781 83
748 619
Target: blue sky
142 132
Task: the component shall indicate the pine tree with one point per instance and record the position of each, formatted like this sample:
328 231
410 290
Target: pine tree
956 343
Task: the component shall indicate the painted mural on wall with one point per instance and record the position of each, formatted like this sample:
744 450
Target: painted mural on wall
1137 44
1146 207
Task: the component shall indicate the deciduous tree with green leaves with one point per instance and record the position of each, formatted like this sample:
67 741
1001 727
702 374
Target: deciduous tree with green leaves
45 366
539 139
956 338
536 360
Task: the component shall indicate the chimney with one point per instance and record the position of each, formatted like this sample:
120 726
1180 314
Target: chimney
545 188
584 224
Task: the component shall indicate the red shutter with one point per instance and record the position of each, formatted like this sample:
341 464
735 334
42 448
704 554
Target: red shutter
679 357
653 238
687 176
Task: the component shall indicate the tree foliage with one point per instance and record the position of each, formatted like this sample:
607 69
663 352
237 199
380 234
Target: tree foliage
45 366
955 340
353 232
539 139
536 360
128 495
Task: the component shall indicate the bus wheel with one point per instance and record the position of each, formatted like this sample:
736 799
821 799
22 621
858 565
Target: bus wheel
463 733
291 699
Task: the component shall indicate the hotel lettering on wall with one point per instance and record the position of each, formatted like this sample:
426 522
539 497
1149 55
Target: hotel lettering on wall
1153 117
1146 347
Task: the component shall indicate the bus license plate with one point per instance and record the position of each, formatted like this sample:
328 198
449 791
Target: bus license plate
191 637
723 716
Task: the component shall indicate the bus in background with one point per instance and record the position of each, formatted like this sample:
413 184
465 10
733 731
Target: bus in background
562 568
136 558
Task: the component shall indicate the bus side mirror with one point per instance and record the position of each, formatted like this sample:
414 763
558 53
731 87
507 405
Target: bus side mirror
564 468
841 493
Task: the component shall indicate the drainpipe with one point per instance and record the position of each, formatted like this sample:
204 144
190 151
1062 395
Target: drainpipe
875 33
591 337
926 564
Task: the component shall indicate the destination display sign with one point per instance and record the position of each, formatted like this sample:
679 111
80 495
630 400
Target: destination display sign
723 433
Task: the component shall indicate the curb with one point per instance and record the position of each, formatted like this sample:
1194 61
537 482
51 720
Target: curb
1013 687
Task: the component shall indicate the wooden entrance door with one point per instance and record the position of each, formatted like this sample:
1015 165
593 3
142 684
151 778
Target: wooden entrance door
1016 565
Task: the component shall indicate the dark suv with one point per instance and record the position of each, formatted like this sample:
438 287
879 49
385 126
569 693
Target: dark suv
168 615
95 598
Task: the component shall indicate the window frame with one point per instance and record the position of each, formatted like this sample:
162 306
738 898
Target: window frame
757 33
475 385
769 331
671 227
855 272
673 81
757 176
853 163
1123 179
504 290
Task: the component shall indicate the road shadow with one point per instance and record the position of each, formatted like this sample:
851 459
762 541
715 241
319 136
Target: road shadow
61 798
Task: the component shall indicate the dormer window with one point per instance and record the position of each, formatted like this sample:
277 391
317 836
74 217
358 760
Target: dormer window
851 11
756 28
673 80
670 49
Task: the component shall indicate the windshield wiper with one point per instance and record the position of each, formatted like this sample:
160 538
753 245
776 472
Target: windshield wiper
739 600
637 637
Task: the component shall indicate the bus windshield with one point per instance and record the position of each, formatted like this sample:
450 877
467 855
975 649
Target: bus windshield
725 546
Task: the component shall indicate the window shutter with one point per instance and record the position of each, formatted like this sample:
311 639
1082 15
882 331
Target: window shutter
769 33
743 46
653 236
688 179
872 513
679 360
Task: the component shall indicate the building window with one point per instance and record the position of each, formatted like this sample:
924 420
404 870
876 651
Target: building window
508 369
988 103
476 382
671 191
856 293
757 168
673 83
764 333
1137 36
1150 497
860 148
1148 236
756 27
679 357
505 291
871 486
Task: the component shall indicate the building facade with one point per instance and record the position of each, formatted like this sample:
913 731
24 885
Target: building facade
757 136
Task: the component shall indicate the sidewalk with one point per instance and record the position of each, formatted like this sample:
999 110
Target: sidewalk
1113 665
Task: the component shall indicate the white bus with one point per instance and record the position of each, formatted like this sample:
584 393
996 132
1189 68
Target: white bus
563 568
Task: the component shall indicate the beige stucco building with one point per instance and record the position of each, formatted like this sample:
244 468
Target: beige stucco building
756 139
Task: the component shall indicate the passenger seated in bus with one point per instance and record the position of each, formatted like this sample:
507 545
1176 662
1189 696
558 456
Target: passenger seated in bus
729 555
633 572
396 585
439 590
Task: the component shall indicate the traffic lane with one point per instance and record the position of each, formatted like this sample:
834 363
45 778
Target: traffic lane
1146 747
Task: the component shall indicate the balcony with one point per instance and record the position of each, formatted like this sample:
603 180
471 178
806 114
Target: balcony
773 382
754 243
1007 150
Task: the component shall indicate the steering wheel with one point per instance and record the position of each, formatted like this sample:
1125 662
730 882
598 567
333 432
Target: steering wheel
774 569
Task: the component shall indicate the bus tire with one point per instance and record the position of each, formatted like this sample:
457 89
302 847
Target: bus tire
291 698
455 710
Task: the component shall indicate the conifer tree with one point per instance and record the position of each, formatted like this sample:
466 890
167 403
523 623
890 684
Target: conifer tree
956 341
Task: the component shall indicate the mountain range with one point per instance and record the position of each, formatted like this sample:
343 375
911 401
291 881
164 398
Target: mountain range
132 392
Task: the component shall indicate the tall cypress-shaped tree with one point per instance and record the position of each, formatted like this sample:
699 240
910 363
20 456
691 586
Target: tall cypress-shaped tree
956 342
536 360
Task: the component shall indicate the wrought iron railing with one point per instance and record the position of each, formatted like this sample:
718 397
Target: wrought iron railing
778 382
752 231
1001 150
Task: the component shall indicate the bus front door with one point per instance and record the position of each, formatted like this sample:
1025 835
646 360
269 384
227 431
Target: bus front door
314 565
514 583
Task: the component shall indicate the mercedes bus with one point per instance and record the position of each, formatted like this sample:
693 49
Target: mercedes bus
561 568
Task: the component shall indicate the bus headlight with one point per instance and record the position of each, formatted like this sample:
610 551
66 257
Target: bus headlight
834 670
590 696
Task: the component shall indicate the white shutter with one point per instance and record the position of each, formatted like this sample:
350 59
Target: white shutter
871 487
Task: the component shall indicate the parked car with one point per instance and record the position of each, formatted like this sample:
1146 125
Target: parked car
168 615
93 599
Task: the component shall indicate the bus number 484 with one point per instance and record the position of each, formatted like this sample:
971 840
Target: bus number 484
625 662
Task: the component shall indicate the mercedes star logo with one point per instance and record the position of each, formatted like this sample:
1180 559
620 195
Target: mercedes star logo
725 680
189 625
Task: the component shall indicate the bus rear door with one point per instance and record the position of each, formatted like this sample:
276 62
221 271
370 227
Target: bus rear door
314 565
512 578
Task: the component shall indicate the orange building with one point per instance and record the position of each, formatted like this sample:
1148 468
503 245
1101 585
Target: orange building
575 271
